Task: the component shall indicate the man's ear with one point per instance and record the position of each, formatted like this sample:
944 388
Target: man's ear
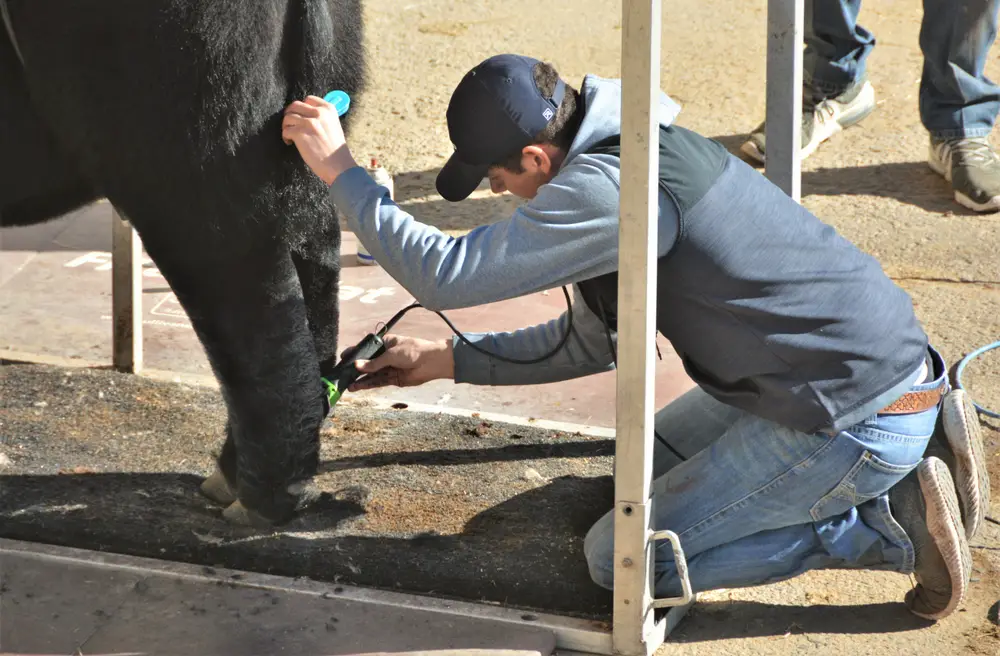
536 158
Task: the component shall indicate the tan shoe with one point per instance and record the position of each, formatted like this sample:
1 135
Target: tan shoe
926 506
959 443
965 439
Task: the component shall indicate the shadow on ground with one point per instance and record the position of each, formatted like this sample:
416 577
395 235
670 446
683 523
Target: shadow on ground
509 453
911 183
510 554
519 552
750 619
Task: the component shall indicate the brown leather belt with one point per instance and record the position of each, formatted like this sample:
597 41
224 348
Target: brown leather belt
913 402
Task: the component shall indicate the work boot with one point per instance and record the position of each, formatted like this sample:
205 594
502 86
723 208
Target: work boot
926 506
972 167
218 489
958 442
821 118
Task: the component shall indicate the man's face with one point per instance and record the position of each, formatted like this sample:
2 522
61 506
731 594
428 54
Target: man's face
540 164
523 185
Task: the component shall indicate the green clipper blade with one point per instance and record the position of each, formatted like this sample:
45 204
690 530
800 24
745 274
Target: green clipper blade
332 393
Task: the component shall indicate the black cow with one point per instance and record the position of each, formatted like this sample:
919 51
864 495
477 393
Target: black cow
171 109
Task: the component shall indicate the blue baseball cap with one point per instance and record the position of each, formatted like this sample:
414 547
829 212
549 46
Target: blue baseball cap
496 110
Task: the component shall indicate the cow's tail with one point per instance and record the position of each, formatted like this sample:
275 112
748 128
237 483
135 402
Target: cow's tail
324 47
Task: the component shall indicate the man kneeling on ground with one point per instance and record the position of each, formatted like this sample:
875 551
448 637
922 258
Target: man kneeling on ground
802 446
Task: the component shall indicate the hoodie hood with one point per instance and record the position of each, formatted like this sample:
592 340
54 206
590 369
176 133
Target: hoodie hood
602 101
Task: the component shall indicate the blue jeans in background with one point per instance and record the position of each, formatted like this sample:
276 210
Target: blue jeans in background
956 98
755 502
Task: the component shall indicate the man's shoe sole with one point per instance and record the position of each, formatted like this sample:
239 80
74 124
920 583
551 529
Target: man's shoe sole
993 205
944 523
965 440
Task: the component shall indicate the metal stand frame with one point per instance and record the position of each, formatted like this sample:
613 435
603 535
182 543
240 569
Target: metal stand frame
126 295
785 19
637 630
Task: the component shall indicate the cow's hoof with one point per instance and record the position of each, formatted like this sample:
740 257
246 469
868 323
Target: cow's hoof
240 515
216 488
305 492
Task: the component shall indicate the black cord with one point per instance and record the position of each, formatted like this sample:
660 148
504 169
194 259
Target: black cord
614 358
569 328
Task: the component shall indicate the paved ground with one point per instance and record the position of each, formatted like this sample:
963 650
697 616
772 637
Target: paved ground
57 600
871 183
463 507
70 260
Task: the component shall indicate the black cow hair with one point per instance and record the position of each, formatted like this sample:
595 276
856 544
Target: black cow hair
171 110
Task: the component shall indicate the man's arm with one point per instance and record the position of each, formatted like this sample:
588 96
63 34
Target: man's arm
569 232
586 351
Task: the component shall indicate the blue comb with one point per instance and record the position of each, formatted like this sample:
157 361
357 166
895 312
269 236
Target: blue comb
340 101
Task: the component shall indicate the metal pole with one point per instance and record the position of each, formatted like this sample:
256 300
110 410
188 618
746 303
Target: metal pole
784 95
126 295
637 238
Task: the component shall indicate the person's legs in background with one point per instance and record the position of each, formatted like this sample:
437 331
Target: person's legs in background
835 89
958 103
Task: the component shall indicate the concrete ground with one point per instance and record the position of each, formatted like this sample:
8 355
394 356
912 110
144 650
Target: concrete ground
871 183
58 600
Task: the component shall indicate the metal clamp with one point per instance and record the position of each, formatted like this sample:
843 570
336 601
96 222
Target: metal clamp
680 562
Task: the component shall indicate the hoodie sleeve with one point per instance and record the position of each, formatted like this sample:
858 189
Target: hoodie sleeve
587 351
568 232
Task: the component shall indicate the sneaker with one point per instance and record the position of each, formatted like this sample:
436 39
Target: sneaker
926 506
972 167
821 120
958 442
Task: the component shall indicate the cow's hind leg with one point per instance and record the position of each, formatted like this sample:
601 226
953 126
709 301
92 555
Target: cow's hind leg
221 485
250 316
317 263
318 266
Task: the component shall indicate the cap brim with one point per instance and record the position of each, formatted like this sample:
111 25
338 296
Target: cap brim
458 179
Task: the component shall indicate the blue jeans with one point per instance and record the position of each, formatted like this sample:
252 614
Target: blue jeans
956 98
755 502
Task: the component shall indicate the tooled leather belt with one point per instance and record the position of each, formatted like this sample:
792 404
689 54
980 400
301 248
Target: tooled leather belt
913 402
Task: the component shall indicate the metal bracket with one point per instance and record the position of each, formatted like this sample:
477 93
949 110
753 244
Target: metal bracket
126 294
680 562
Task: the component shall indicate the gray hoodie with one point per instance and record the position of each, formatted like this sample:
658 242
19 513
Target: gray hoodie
566 234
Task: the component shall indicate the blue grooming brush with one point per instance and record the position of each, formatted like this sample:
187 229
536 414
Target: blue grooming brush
340 101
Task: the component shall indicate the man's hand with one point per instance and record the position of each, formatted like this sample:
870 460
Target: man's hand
407 361
314 127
